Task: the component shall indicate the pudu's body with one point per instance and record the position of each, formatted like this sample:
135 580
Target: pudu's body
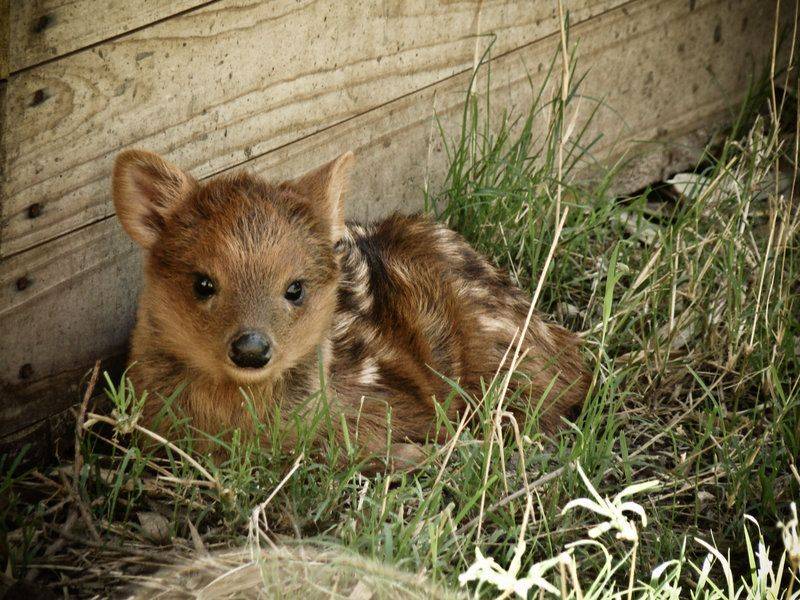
252 286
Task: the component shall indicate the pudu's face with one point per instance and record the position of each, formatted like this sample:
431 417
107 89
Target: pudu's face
241 275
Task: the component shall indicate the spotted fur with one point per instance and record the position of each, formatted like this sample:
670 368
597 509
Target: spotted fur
391 307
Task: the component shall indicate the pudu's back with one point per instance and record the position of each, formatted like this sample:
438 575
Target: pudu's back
416 302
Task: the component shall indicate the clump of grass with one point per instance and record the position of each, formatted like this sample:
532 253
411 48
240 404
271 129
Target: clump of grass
669 580
687 303
307 571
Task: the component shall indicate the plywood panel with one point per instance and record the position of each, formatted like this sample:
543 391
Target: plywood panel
4 35
78 293
44 29
217 86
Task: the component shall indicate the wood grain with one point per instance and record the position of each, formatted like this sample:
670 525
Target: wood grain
219 85
45 29
5 33
658 79
3 86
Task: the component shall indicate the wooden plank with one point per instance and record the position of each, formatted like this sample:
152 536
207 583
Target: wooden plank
41 441
48 396
79 292
3 86
44 29
53 436
219 85
4 38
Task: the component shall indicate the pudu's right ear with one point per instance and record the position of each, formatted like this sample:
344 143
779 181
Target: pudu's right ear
146 189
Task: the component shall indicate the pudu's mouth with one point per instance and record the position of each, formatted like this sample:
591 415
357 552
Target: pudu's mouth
247 376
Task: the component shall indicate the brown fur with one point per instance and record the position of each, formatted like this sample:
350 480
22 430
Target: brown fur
389 306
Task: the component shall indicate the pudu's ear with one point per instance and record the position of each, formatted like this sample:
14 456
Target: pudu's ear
324 187
146 188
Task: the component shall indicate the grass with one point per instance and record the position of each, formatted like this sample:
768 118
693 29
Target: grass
687 299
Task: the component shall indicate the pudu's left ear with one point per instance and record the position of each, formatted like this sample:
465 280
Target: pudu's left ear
324 187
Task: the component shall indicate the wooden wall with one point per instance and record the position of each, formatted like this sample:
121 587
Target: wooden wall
280 86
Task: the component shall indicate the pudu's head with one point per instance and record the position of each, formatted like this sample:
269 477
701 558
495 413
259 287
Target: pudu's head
241 275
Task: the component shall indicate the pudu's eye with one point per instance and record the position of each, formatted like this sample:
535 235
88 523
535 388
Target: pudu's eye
295 293
204 286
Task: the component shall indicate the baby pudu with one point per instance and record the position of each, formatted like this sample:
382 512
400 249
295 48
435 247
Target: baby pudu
263 291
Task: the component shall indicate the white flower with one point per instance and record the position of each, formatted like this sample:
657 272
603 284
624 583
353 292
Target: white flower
791 539
764 573
614 510
487 570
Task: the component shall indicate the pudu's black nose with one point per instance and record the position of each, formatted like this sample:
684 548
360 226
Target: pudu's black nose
250 350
